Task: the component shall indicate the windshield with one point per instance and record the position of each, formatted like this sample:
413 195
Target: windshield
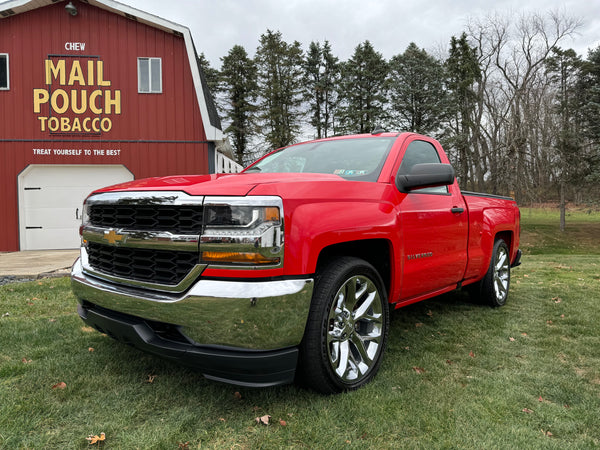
353 159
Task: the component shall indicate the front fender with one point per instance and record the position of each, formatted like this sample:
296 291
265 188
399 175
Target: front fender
316 226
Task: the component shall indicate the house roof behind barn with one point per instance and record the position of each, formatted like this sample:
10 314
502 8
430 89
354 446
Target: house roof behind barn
208 110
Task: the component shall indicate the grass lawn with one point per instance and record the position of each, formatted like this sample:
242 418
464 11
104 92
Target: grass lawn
455 375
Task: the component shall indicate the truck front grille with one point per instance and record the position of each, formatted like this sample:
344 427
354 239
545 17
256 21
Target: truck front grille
147 265
176 219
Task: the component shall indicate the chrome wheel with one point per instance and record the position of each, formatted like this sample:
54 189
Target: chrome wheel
501 273
493 289
355 329
346 332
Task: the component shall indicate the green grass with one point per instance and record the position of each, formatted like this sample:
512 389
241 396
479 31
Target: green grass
541 231
456 375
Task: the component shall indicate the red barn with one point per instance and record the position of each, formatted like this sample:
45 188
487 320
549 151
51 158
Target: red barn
92 93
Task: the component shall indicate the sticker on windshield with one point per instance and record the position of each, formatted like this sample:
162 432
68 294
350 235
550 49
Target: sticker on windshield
349 173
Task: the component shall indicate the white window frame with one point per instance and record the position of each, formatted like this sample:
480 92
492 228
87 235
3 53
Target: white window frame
149 75
7 87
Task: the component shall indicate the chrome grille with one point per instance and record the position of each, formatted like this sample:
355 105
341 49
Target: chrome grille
176 219
147 265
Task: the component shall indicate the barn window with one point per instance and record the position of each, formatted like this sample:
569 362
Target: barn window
149 75
4 80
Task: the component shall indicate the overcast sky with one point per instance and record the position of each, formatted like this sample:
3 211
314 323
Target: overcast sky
390 25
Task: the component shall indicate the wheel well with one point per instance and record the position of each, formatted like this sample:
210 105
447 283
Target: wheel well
374 251
506 236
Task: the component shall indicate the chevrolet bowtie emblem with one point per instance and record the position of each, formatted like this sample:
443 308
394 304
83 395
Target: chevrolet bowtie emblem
112 237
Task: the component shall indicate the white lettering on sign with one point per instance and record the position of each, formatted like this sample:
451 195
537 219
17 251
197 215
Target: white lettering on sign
77 152
78 46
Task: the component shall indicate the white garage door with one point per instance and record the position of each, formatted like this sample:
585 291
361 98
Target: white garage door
51 198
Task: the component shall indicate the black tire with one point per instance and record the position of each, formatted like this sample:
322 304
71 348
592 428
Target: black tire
347 327
495 284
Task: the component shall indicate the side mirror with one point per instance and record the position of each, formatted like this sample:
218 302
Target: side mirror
425 175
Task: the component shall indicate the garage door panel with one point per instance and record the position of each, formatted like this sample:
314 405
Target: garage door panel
46 238
52 218
59 197
51 200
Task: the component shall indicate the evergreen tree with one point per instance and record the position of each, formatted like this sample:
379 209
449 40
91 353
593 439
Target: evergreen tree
239 87
321 72
280 73
211 75
363 90
563 66
590 107
417 94
591 81
462 74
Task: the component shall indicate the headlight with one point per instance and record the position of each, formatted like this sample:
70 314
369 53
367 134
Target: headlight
242 231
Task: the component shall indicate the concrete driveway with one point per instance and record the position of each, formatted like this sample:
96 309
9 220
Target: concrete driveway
37 263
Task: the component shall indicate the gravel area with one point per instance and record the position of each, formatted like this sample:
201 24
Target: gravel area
8 279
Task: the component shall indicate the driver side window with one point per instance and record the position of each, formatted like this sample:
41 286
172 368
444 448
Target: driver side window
421 152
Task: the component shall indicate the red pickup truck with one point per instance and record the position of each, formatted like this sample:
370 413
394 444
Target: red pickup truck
290 268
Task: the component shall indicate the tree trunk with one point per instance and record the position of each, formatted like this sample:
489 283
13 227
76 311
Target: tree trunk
562 206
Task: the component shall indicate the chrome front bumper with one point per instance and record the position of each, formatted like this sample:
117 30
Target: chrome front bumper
257 315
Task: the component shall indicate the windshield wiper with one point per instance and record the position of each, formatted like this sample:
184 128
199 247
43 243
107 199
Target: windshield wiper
258 169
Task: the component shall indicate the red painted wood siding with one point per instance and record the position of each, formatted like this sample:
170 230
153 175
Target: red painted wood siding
174 115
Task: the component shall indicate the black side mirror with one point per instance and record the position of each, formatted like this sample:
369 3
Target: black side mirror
425 175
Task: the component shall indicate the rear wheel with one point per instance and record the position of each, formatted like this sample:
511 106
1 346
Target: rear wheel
347 329
495 284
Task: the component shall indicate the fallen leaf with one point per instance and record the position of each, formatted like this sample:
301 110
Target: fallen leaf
87 329
418 325
60 385
547 433
557 299
549 322
282 422
6 314
237 395
25 361
264 420
471 354
184 445
523 334
540 399
527 410
151 378
419 370
449 362
222 419
511 339
94 439
90 349
562 316
429 313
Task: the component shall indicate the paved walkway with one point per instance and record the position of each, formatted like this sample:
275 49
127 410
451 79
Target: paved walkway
37 263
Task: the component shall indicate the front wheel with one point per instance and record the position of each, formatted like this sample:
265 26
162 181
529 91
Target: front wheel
347 328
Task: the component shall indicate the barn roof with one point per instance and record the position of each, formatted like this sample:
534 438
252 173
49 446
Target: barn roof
208 110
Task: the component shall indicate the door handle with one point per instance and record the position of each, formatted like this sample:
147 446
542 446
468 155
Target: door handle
77 214
457 210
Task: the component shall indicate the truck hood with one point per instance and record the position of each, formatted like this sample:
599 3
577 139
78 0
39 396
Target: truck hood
220 184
